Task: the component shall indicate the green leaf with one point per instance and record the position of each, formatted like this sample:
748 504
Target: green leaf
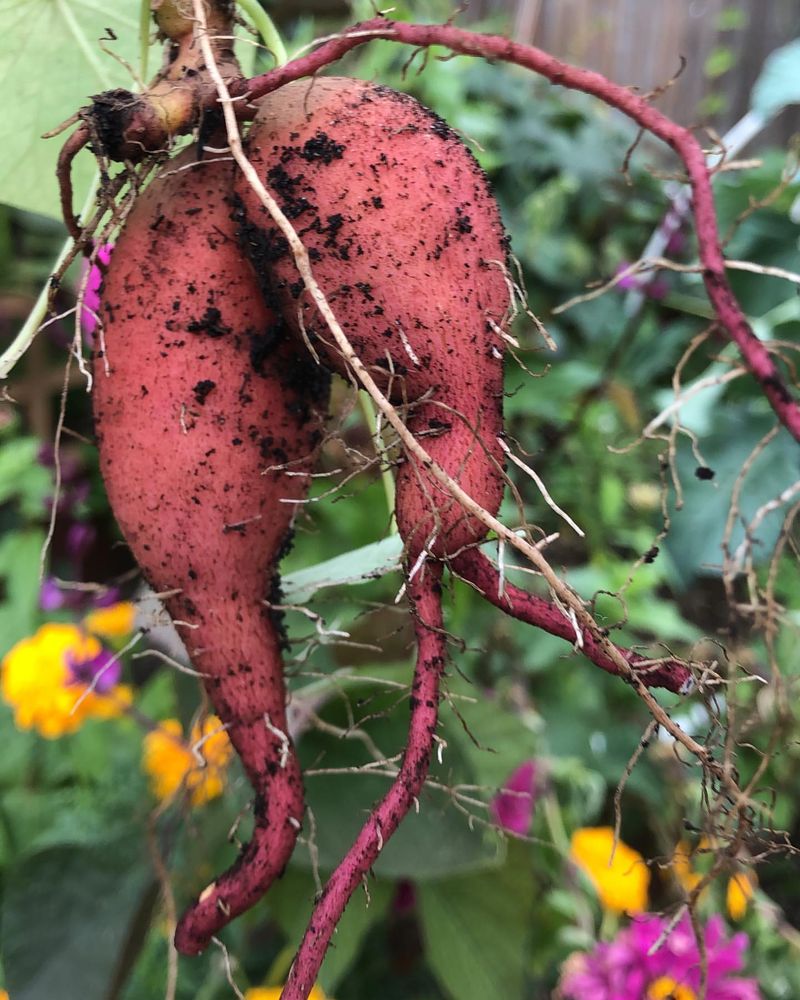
493 738
718 62
291 901
19 575
21 476
696 535
779 83
731 19
433 843
476 929
52 62
66 915
358 566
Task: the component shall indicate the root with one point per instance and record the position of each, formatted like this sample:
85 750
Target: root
424 592
476 569
70 149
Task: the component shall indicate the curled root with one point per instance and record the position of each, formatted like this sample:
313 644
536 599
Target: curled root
70 149
424 591
476 569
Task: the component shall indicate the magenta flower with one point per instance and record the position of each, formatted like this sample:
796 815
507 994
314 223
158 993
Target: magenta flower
101 672
91 295
653 286
624 969
512 808
53 598
405 898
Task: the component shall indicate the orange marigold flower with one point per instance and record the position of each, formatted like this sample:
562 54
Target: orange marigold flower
172 764
619 874
113 622
274 993
741 887
43 680
682 868
665 988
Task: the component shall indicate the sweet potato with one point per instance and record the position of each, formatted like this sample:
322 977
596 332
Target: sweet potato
203 396
406 241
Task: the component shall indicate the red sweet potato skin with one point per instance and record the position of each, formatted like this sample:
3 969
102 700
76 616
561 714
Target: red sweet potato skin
406 241
204 392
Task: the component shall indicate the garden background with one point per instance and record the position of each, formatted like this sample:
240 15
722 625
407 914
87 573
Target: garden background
501 885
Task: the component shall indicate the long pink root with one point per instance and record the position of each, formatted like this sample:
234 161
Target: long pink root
261 740
425 595
476 569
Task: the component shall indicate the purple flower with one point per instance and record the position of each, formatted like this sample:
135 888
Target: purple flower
625 969
405 898
91 295
80 537
651 285
676 244
105 598
512 808
631 282
101 672
53 598
69 463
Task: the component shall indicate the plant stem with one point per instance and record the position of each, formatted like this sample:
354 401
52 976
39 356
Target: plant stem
144 37
20 344
368 409
266 29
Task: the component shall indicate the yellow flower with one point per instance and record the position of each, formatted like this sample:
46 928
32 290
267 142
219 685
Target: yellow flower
274 993
621 880
38 684
3 995
741 884
665 988
171 764
741 887
682 869
113 622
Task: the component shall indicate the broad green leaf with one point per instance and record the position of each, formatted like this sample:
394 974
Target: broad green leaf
21 476
696 535
291 900
494 739
52 62
19 576
476 929
433 843
358 566
719 61
779 83
66 914
36 820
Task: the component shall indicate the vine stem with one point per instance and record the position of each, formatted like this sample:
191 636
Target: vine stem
387 479
23 340
756 357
